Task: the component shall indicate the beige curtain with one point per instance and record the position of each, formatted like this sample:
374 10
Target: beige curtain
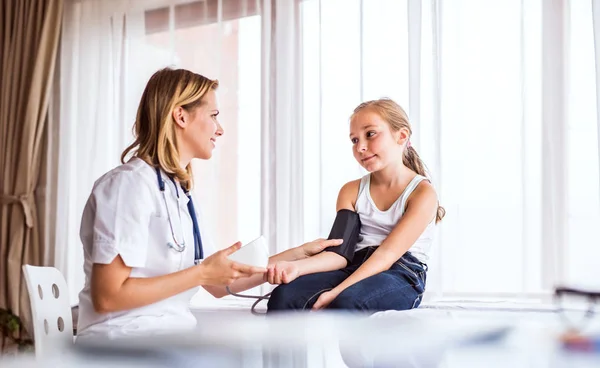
29 37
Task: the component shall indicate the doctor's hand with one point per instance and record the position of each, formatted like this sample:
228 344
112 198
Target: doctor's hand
282 272
317 246
218 269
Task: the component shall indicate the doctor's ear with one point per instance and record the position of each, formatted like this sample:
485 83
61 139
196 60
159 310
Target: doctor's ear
180 116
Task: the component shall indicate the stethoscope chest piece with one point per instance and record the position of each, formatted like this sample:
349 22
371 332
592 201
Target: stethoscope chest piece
176 247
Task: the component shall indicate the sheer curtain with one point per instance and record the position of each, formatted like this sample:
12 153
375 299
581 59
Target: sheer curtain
282 126
96 114
501 98
109 51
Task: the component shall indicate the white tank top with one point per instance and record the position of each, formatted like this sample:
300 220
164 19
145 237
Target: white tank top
376 225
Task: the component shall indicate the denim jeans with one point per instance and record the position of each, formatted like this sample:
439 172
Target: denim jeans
399 288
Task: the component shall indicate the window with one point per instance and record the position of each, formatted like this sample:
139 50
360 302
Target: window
228 185
583 193
470 77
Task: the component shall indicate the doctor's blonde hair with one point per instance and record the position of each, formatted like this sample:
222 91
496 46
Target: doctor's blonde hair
154 128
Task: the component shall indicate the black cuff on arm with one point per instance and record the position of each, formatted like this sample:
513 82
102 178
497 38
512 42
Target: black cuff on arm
346 226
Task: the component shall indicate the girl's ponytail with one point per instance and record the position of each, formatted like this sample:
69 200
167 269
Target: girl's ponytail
412 160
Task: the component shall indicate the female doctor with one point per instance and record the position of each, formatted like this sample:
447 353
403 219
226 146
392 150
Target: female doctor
142 240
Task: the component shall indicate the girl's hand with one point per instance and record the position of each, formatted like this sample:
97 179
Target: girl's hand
218 269
282 272
325 299
317 246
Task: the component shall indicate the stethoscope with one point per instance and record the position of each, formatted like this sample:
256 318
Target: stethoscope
179 245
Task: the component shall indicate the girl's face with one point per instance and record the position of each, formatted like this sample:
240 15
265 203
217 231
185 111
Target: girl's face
200 128
374 144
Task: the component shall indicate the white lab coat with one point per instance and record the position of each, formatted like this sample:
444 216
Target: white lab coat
126 215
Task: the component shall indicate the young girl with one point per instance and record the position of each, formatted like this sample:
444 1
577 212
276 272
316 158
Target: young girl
398 209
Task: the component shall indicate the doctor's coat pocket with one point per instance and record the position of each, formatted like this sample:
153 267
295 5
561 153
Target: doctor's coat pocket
162 258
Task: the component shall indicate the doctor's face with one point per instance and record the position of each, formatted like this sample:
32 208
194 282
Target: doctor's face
202 129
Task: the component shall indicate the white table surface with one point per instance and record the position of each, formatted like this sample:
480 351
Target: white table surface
418 338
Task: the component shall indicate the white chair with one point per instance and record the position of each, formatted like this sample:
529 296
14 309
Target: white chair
50 309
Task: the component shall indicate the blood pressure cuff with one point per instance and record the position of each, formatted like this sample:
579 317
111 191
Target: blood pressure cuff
346 226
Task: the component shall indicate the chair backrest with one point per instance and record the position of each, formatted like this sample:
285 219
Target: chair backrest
50 309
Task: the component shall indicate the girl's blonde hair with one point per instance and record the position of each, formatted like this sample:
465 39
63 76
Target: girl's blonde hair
154 128
397 119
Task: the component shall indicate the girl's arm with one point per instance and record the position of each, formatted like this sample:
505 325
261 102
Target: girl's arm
421 209
285 272
302 252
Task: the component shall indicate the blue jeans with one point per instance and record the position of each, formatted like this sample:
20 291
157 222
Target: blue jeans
399 288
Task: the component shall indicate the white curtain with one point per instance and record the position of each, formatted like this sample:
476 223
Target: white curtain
282 125
96 115
596 27
110 49
499 96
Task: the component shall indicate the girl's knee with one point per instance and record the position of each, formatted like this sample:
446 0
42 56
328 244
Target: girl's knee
373 298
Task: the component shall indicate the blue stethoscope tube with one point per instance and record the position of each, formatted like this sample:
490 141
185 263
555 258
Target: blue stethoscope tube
179 245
